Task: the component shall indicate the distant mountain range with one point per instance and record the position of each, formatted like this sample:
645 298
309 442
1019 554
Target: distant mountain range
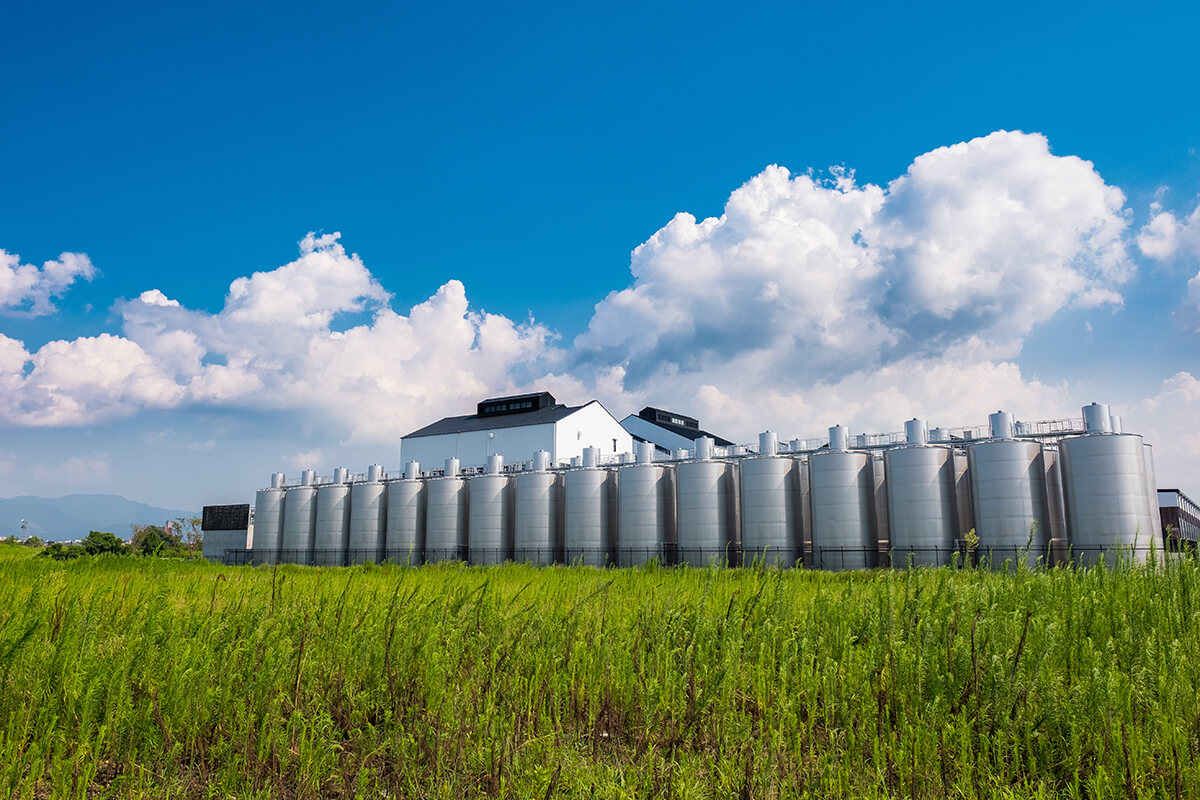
71 517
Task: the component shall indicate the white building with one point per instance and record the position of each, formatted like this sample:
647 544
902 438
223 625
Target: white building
515 428
667 430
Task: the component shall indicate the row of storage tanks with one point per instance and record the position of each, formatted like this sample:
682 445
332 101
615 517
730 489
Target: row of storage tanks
834 508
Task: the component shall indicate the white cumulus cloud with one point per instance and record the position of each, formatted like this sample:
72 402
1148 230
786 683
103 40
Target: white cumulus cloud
28 290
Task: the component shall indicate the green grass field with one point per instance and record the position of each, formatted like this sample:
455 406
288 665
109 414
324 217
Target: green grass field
128 677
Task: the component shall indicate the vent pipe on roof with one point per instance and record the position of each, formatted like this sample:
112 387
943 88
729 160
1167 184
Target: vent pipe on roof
939 435
1097 418
1117 424
704 448
838 436
413 470
768 443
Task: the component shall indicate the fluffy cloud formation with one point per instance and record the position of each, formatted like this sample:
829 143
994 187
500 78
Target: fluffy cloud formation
1166 236
274 345
804 288
809 302
27 290
1168 421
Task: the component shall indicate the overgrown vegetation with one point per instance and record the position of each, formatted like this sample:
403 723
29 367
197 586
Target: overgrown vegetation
146 677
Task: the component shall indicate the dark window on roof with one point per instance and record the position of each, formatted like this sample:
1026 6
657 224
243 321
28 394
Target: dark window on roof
660 416
518 404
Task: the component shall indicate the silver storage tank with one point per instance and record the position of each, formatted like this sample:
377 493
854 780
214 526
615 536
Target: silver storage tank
299 525
446 516
590 518
771 519
368 521
491 521
922 518
962 494
645 514
843 510
333 525
268 525
1104 489
804 488
1008 491
405 541
539 524
879 480
1155 519
1055 506
705 507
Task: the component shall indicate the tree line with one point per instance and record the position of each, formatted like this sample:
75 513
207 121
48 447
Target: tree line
179 538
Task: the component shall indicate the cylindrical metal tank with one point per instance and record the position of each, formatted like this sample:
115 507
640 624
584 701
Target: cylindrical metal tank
538 536
1097 418
446 519
333 525
879 481
368 522
645 515
1001 424
375 472
268 525
299 525
590 518
962 495
843 510
645 452
490 529
277 480
1116 425
771 518
922 517
1055 506
1104 489
1008 492
1155 519
405 541
916 431
768 443
308 477
705 509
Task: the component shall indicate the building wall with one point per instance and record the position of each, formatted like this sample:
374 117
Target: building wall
473 448
215 543
590 426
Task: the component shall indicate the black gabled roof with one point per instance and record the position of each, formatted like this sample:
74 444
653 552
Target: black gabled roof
691 433
474 422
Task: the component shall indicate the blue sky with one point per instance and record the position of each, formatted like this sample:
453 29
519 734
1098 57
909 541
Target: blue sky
525 152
